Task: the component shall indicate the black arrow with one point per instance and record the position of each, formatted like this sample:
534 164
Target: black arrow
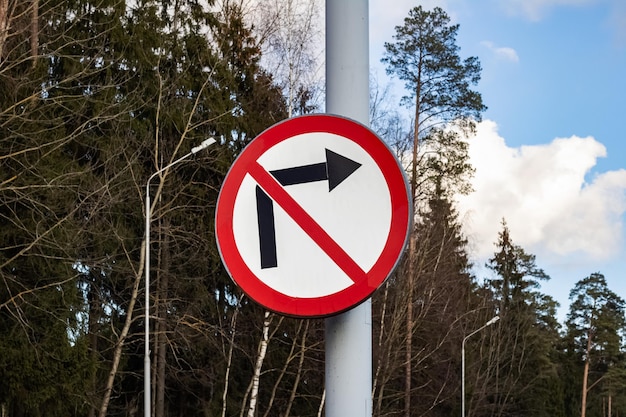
267 230
336 169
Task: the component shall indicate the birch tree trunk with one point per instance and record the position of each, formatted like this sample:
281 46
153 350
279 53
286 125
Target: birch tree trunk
229 361
259 364
319 411
119 346
283 371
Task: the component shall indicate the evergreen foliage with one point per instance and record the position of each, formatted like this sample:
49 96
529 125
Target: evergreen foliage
595 347
525 380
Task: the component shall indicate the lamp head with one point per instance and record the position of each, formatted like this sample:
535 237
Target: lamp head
493 320
205 144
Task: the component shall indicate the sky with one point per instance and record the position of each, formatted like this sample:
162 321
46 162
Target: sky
550 152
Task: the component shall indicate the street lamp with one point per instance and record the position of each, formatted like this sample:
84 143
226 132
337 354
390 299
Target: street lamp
489 323
146 361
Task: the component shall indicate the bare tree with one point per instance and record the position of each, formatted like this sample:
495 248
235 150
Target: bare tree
290 37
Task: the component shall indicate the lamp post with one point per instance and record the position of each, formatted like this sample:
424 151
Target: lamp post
489 323
146 361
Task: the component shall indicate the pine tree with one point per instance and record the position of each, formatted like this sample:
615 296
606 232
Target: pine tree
426 57
595 326
525 380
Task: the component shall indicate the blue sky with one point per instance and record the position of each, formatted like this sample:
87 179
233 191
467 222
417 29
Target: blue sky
550 155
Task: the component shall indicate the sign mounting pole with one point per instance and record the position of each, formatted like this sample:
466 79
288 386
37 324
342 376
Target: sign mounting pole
348 377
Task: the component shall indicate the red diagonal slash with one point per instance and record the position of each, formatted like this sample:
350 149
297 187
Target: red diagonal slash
306 222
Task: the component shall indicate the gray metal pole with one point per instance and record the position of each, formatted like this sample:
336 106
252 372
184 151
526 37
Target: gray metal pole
147 390
146 341
348 335
489 323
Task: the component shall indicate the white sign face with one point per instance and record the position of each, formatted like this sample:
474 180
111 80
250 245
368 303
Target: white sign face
356 214
307 221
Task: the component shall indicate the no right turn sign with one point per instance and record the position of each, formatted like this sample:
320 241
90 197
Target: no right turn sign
313 216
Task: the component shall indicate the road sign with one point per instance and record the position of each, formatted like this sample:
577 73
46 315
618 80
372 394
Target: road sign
313 216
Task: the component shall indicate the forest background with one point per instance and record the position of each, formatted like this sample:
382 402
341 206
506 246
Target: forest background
95 96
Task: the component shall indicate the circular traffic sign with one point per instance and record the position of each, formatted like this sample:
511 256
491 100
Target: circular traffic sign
313 216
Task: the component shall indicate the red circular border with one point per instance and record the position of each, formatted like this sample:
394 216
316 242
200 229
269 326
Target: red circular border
389 257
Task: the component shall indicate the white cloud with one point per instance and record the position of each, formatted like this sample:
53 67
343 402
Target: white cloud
541 191
504 52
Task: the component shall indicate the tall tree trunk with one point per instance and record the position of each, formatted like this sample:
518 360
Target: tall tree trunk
161 324
34 32
408 366
4 25
381 340
583 405
95 315
119 346
412 248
